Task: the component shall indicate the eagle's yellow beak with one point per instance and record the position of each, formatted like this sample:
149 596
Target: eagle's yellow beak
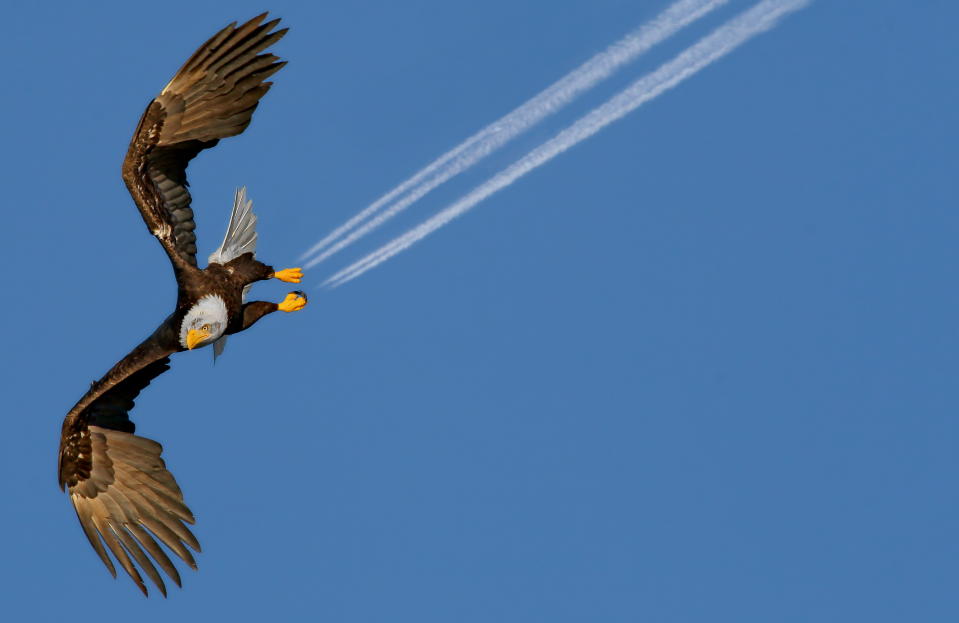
194 337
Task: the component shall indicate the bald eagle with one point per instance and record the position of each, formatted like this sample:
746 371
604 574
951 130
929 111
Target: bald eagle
125 498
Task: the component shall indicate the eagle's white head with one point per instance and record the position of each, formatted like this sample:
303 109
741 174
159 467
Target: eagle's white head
204 323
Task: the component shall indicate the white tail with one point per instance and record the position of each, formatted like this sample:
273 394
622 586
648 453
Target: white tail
240 234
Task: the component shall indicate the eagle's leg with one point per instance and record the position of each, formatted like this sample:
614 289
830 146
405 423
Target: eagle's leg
251 270
246 269
289 275
252 312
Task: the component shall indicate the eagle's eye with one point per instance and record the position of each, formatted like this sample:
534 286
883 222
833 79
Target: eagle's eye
205 327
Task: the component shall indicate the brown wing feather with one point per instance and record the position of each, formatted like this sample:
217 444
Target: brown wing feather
212 96
125 498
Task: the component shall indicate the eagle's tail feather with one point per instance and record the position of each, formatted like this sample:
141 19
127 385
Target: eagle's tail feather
240 235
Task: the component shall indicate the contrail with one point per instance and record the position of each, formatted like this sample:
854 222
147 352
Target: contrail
501 131
714 46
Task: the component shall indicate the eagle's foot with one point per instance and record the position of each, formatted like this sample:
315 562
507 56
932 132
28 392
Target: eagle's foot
294 301
289 275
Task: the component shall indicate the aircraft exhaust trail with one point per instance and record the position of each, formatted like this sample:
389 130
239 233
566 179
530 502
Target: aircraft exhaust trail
725 39
495 135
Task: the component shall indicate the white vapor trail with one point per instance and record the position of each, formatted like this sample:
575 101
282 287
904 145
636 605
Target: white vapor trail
714 46
501 131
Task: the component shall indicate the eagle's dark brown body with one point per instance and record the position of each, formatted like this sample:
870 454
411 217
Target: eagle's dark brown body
227 282
124 496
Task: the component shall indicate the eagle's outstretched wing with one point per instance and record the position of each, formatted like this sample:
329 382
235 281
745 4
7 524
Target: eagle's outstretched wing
120 487
212 96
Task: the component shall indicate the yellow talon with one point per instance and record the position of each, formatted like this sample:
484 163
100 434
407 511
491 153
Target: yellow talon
294 301
289 275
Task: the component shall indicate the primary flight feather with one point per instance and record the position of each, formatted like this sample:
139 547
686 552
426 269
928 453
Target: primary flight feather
125 498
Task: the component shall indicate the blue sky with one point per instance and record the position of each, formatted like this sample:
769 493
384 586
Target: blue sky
701 367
